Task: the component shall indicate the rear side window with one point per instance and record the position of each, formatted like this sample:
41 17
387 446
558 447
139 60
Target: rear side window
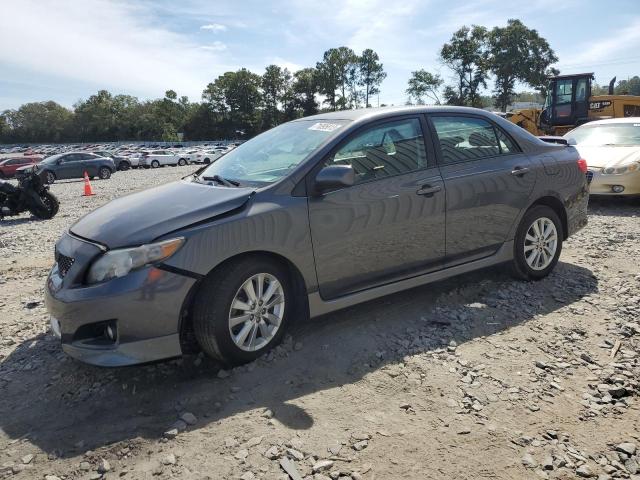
392 148
464 139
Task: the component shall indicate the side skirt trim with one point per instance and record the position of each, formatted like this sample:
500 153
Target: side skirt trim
318 306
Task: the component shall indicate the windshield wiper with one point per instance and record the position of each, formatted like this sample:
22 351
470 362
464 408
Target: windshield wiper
222 181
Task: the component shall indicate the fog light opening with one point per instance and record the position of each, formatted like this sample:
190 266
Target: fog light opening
617 189
110 333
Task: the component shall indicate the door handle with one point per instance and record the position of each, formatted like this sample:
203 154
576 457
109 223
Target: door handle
428 190
518 171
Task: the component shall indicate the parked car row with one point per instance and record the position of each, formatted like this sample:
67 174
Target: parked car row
103 160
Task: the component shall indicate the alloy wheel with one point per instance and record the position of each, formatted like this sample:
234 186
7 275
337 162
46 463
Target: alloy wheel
256 312
540 243
50 177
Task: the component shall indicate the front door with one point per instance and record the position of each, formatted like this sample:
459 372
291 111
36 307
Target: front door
391 223
70 166
488 181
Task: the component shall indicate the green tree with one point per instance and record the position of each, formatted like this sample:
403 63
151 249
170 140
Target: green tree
424 84
236 98
305 87
334 76
466 55
628 87
518 54
274 86
372 74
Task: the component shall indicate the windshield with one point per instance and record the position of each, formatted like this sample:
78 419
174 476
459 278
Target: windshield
273 154
613 134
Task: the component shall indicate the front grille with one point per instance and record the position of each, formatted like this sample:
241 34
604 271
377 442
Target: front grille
589 176
64 264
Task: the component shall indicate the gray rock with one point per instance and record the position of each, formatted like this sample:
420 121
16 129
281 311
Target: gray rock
272 453
27 459
103 466
169 459
627 447
528 461
322 465
585 472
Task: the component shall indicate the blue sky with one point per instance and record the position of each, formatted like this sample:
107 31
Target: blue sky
68 49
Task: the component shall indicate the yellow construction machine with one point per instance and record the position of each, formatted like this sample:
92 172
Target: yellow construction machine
569 103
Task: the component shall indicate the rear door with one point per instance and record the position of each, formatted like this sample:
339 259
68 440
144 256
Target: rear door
391 223
488 181
90 164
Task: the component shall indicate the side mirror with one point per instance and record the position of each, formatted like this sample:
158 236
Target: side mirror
334 177
571 141
59 161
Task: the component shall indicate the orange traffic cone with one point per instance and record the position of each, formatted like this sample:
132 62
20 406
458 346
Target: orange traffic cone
88 191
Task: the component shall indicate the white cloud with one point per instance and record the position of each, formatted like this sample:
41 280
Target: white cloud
281 62
104 44
214 47
214 27
608 48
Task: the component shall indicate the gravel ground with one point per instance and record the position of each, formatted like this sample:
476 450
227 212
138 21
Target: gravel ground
476 377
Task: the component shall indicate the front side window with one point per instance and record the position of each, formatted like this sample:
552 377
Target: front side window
564 89
581 90
385 150
463 139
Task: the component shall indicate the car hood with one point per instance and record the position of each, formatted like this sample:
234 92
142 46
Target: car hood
607 156
144 216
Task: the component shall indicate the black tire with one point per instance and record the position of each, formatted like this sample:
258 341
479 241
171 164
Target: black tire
124 166
49 177
104 173
212 306
519 266
206 161
52 206
182 162
155 164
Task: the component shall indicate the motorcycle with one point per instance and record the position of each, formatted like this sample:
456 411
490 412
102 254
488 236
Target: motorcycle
31 194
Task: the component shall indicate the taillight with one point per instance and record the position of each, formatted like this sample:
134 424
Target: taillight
582 165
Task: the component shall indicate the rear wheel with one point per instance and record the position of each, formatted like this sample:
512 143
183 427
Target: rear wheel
207 161
241 310
124 165
182 162
104 173
538 243
155 164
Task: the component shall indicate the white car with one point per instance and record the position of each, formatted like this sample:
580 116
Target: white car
611 149
160 158
207 156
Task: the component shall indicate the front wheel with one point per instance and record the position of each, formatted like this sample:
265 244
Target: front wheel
182 162
104 173
124 166
51 206
241 311
155 164
50 177
538 243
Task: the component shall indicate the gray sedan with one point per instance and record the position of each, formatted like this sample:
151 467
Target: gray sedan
74 164
312 216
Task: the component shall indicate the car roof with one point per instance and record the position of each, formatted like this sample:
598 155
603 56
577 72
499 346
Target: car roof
615 120
362 114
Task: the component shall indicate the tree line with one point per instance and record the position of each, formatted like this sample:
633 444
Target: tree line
240 104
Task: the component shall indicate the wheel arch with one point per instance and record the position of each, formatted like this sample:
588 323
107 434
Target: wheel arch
557 206
188 342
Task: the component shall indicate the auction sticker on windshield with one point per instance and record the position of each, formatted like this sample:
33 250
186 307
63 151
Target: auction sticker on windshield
324 127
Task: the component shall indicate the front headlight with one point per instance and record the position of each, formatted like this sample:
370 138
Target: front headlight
632 167
118 263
